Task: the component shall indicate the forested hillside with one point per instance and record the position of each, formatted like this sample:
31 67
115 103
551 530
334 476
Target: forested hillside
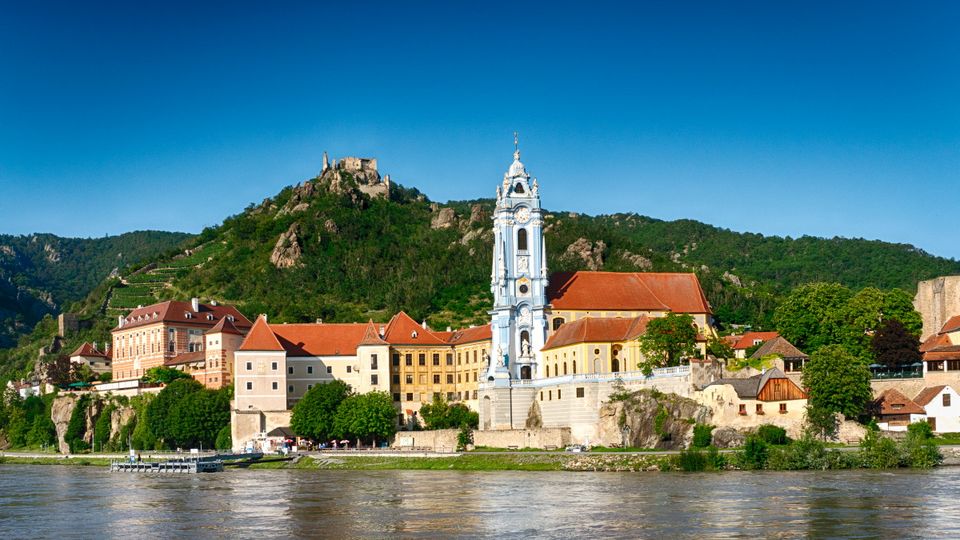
42 273
325 250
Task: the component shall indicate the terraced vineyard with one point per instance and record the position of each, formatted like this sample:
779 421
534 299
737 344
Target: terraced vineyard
149 284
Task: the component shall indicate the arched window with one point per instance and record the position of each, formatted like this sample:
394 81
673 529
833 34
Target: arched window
616 365
548 370
574 367
518 188
557 323
564 368
524 337
525 372
522 239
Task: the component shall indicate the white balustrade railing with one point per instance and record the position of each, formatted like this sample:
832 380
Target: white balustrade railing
658 373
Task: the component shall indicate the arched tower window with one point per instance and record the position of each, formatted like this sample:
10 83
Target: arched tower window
524 337
522 239
518 188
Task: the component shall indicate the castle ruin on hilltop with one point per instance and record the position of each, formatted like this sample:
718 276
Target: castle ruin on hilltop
362 170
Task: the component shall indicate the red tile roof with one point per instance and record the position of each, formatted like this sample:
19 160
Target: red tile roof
175 311
402 330
893 402
88 349
371 335
747 340
185 358
261 338
597 330
470 335
927 394
224 327
627 291
935 341
325 339
951 325
951 352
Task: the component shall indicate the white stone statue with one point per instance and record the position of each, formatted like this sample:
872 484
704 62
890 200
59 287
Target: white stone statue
525 347
536 188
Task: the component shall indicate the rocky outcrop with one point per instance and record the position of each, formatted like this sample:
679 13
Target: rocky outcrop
637 260
733 279
331 226
51 253
298 199
477 215
287 251
649 419
60 411
728 437
443 219
590 253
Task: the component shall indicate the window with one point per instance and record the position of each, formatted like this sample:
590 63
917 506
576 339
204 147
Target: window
450 396
273 366
524 289
558 393
373 361
396 359
249 386
275 385
449 359
548 371
474 376
290 389
574 367
522 239
449 378
329 370
349 369
550 395
596 352
409 396
783 408
290 370
759 408
436 379
171 340
580 391
459 356
436 359
374 380
474 357
953 365
743 409
474 394
249 366
408 359
459 377
409 379
422 359
396 379
946 400
396 397
564 368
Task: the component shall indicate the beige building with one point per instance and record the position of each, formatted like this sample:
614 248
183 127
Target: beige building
194 337
88 355
767 398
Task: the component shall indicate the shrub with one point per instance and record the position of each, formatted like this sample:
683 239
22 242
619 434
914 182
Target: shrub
772 434
918 449
464 438
702 435
224 439
878 452
691 460
77 426
754 453
659 423
803 454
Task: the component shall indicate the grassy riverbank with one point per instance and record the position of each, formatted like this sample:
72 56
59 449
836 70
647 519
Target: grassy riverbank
53 460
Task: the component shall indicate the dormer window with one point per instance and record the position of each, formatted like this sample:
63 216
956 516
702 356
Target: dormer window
230 318
897 406
209 317
413 334
187 315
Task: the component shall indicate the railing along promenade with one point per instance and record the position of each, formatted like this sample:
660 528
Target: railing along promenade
658 373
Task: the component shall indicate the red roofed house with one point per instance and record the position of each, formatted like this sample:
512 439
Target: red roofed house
942 406
941 355
88 354
197 338
740 344
895 411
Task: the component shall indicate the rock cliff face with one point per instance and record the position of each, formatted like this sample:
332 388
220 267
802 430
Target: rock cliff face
287 251
647 419
590 254
444 218
62 409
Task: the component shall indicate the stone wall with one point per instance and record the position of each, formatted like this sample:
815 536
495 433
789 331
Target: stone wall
439 440
937 300
523 438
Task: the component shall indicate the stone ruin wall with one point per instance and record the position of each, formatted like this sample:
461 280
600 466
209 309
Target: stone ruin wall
937 300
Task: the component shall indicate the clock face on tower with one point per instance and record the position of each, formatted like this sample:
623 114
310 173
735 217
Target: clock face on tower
522 215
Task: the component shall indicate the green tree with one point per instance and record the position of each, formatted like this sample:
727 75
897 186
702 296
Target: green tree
197 418
862 315
821 422
837 381
315 415
667 341
163 375
369 416
158 414
442 415
225 438
719 348
808 316
893 345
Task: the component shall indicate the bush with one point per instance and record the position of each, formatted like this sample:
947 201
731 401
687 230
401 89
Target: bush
224 439
77 426
702 435
464 438
918 449
803 454
878 452
691 460
659 423
754 453
772 434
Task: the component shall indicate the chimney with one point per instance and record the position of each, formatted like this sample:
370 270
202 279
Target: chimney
195 304
213 303
424 324
319 321
119 321
449 329
383 330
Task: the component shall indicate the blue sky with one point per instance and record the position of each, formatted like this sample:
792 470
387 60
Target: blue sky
786 119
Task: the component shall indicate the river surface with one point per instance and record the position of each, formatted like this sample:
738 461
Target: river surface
88 502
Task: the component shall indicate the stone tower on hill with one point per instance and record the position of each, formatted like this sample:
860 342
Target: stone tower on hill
363 171
937 300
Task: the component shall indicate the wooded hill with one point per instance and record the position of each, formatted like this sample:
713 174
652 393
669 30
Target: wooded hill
325 250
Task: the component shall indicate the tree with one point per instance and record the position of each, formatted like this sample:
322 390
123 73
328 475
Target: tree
719 348
667 341
367 416
60 371
837 381
163 375
224 438
821 422
808 316
158 412
864 312
197 418
894 346
315 415
442 415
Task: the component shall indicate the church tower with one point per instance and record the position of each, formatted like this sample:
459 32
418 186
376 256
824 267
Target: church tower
518 279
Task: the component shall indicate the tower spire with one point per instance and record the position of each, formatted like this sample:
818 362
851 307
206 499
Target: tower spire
516 146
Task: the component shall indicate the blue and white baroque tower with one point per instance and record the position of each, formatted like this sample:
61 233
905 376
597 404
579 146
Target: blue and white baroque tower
518 279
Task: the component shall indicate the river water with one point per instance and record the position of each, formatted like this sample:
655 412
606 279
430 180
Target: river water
89 502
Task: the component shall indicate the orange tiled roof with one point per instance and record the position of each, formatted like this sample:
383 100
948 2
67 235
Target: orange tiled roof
627 291
893 402
934 342
88 349
325 339
185 358
927 394
746 340
597 330
402 330
175 311
470 335
261 338
224 327
951 325
371 336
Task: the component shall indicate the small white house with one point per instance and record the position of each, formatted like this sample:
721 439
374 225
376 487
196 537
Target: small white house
896 411
942 404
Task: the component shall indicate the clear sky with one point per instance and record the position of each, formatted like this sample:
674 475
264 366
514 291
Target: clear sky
828 119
